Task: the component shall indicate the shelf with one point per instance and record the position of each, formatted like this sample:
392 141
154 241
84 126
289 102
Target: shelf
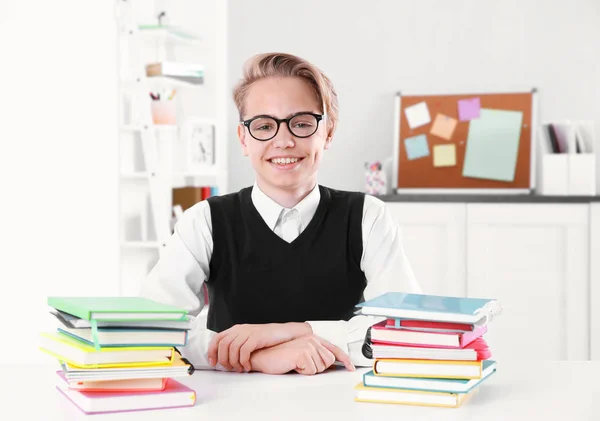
143 175
157 127
167 81
140 244
155 83
135 175
171 33
208 172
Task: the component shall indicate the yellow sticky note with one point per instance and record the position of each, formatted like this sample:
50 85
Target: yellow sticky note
444 155
443 126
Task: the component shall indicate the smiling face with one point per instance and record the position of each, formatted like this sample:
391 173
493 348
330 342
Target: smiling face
285 162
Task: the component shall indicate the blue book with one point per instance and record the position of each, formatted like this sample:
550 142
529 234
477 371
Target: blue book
370 379
123 337
431 307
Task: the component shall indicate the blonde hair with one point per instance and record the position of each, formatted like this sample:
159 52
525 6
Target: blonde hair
286 65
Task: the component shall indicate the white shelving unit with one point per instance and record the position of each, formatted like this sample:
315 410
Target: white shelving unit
153 157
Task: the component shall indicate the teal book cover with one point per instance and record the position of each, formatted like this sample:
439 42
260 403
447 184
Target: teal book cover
430 384
431 303
127 344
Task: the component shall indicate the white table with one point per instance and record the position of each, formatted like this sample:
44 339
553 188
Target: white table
518 391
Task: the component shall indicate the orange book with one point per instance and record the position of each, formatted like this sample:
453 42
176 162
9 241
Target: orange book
125 385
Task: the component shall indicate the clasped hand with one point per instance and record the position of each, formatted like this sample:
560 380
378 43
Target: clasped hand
274 348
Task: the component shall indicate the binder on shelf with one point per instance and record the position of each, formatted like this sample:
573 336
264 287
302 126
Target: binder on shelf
186 197
582 174
568 159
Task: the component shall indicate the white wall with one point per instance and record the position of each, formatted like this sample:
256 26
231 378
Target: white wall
58 162
58 137
371 49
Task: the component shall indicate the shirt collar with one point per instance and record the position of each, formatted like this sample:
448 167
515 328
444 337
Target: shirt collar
270 210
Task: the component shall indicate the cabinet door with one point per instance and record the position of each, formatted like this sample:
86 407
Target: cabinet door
434 240
534 259
595 280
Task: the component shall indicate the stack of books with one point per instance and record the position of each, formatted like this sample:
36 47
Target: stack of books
429 350
119 353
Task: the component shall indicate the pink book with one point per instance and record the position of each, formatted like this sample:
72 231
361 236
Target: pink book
477 350
425 338
174 395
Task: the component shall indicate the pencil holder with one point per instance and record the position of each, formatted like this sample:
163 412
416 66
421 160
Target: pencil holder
375 179
164 112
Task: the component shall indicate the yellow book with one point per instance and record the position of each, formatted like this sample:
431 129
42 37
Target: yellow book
435 369
364 393
80 354
180 367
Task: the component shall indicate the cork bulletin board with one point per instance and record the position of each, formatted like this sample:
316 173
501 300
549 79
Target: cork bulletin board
465 142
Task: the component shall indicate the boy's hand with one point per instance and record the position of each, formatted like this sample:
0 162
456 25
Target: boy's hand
232 347
306 355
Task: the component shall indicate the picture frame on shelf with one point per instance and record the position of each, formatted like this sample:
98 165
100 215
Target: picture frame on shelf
199 140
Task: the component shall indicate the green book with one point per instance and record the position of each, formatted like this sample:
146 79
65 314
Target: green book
116 308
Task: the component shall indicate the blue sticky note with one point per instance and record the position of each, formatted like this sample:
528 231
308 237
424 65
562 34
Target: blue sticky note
416 146
493 145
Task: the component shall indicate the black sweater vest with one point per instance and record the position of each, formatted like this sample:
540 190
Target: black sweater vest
257 277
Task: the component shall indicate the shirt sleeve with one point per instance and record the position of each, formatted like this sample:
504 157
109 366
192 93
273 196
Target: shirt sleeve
177 277
386 269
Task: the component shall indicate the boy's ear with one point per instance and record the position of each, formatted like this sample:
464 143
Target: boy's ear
242 137
329 137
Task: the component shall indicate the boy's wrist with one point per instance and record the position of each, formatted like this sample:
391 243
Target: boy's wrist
308 328
300 329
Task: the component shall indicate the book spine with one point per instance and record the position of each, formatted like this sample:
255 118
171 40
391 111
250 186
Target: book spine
468 337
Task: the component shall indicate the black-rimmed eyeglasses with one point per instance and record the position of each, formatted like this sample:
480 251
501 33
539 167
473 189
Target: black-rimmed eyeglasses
265 127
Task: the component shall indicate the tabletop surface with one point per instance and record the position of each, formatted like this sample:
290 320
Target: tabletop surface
517 391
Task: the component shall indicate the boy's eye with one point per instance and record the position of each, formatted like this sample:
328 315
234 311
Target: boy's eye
263 125
302 125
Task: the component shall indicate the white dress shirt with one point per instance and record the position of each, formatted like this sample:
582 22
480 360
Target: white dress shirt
183 266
